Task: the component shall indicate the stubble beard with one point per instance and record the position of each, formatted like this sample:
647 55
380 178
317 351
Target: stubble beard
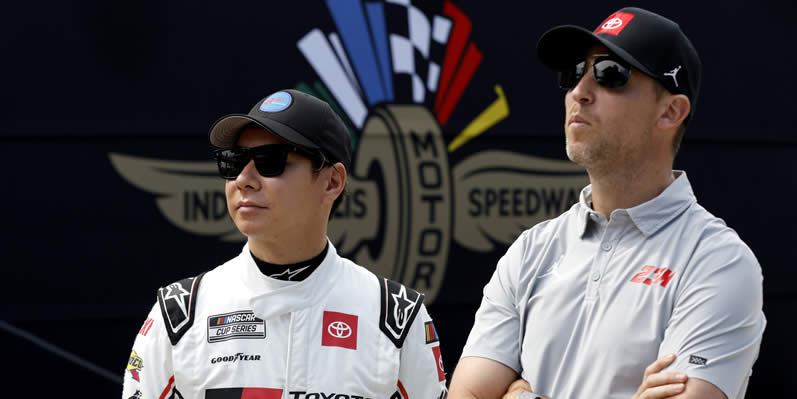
602 157
586 155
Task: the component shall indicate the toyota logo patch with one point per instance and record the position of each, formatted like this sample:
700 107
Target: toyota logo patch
339 329
615 23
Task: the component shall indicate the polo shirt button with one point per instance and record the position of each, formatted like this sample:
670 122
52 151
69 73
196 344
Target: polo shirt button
607 246
596 276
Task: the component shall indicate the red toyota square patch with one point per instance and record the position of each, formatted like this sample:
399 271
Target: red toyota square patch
340 329
441 374
615 23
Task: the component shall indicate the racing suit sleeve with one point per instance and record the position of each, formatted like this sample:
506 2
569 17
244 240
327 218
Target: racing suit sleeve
149 369
421 373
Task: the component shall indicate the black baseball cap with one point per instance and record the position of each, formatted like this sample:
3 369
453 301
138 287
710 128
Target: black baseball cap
649 42
295 116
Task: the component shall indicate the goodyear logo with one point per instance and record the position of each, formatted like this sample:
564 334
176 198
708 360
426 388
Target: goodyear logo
396 92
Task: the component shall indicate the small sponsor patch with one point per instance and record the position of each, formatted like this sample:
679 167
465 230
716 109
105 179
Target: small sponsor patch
438 358
431 333
136 395
339 329
700 361
615 23
236 325
146 327
276 102
234 358
135 365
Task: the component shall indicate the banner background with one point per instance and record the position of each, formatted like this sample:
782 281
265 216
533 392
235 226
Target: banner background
84 250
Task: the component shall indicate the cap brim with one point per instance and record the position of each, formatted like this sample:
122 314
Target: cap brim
225 131
564 46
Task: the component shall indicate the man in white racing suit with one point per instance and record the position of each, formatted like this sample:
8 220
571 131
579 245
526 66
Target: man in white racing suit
288 318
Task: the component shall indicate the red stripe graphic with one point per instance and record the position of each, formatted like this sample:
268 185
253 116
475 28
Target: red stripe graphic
261 393
472 60
147 325
456 45
168 388
403 391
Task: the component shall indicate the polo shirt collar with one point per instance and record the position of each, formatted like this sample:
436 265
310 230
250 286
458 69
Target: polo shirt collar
584 210
652 215
649 216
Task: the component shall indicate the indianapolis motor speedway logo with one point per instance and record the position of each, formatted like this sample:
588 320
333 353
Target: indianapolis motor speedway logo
395 71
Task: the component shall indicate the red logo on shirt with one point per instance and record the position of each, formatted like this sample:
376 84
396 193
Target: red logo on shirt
147 325
340 329
441 374
661 276
615 23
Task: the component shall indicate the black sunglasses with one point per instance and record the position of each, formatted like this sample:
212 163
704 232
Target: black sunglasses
607 70
269 159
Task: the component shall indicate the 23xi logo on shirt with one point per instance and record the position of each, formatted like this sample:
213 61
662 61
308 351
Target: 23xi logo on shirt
339 329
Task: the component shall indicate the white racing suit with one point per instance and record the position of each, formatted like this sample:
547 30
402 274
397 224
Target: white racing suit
342 333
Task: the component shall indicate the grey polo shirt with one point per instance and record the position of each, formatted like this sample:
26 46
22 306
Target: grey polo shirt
579 305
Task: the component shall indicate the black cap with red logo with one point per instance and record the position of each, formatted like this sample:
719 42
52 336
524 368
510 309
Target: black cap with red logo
296 117
649 42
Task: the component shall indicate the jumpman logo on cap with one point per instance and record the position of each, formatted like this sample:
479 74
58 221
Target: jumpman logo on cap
673 73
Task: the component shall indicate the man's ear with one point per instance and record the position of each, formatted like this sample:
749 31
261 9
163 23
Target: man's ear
336 181
675 108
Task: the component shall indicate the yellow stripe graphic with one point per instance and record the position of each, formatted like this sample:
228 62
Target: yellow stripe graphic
493 114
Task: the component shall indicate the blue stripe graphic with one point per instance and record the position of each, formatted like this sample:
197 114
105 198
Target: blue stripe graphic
376 19
350 20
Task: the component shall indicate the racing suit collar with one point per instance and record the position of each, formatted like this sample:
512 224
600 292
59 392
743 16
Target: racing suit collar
271 297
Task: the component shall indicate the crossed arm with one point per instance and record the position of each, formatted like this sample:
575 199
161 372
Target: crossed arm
481 378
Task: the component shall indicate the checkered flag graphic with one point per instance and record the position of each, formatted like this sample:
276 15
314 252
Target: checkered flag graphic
417 36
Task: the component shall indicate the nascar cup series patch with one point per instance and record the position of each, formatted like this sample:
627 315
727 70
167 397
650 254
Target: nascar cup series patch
235 325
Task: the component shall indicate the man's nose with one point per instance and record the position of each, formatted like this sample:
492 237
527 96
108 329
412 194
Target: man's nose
249 178
584 90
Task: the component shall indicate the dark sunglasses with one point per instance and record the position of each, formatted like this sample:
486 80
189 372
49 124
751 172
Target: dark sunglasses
269 159
607 70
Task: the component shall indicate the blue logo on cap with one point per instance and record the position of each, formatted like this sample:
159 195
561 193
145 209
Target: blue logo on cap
276 102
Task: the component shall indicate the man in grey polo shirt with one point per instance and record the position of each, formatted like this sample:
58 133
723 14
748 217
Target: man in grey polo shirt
580 305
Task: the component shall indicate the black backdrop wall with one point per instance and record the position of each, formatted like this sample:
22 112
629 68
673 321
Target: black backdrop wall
109 192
